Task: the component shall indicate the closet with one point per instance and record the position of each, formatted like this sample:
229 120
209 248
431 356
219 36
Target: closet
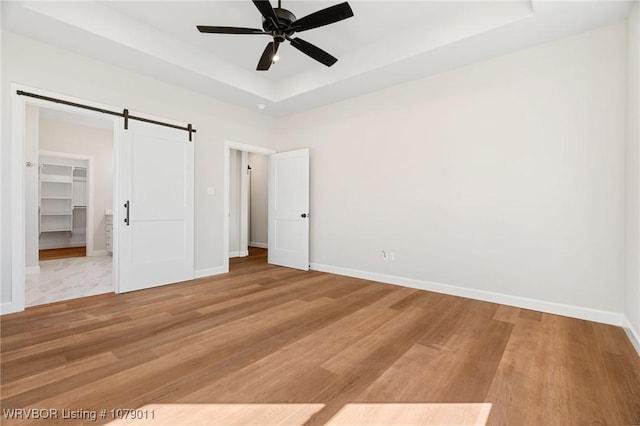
62 202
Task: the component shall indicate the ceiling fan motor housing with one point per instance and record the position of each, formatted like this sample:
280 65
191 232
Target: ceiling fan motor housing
285 18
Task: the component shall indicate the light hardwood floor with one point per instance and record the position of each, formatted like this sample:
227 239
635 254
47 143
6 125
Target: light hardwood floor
270 345
62 253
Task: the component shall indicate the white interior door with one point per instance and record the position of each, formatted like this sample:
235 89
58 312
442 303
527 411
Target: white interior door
289 209
155 207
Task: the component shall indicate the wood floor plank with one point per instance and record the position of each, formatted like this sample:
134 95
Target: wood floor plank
266 336
404 381
625 387
508 314
271 378
57 374
359 352
284 334
351 385
612 340
459 369
76 346
518 386
35 397
62 253
585 367
198 364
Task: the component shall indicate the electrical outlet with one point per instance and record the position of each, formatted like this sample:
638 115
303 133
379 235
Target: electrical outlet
392 256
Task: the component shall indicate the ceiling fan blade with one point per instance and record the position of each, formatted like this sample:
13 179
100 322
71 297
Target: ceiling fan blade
228 30
267 56
323 17
313 51
266 10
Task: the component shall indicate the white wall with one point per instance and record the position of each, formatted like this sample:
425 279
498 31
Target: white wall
632 278
505 176
61 136
38 65
32 130
259 199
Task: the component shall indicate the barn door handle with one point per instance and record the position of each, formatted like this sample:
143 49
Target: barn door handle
126 219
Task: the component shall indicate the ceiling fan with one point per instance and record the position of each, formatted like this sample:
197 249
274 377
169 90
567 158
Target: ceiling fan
281 24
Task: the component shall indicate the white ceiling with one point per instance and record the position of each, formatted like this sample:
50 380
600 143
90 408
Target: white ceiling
385 43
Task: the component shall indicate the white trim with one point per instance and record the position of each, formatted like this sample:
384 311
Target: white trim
32 270
248 148
242 253
200 273
632 334
9 308
228 146
18 231
115 210
573 311
18 146
96 253
18 104
258 245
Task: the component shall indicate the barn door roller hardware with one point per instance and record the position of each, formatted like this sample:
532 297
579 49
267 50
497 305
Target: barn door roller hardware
125 114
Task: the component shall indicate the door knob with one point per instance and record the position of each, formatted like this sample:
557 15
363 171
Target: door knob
303 215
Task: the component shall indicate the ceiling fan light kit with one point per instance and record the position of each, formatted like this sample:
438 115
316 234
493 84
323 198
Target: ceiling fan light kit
281 25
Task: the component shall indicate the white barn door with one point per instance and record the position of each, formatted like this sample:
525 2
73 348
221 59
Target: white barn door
155 207
289 209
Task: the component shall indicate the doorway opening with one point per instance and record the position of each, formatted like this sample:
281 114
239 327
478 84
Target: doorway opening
68 203
244 169
148 268
62 201
248 207
288 200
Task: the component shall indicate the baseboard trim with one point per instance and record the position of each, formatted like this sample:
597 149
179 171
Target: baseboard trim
94 253
244 253
8 308
572 311
201 273
633 334
259 245
32 269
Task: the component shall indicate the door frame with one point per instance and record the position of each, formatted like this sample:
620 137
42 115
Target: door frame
228 146
18 190
18 145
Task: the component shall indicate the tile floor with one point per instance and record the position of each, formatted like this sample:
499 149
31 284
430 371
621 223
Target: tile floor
64 279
